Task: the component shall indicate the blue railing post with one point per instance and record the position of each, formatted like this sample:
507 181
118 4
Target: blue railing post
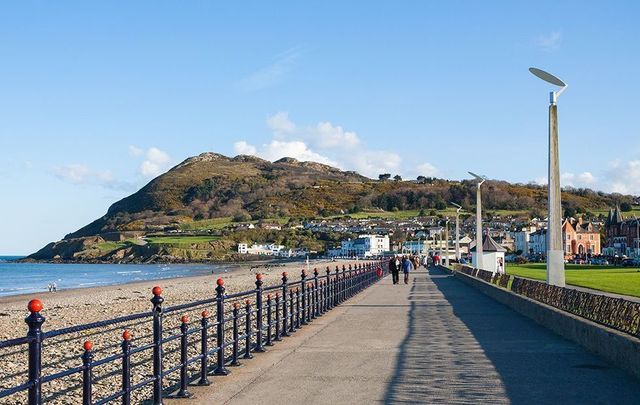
297 307
316 293
259 324
336 288
157 301
87 374
285 315
204 348
126 368
236 335
269 323
220 368
303 285
184 358
329 302
35 321
248 331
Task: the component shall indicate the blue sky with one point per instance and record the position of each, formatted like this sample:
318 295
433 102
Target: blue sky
99 97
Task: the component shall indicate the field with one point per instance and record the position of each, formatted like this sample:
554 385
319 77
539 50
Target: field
180 240
619 280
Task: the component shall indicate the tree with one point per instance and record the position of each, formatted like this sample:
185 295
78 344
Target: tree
625 207
397 177
421 179
384 176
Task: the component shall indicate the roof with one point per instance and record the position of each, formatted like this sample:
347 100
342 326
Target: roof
489 245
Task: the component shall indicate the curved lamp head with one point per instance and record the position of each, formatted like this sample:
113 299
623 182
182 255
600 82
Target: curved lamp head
458 207
549 78
481 179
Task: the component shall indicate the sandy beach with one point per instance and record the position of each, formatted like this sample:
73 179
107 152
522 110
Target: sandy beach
80 306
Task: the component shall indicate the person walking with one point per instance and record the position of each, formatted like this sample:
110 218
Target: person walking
407 266
394 268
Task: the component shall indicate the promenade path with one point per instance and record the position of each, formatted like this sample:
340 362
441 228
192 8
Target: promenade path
435 340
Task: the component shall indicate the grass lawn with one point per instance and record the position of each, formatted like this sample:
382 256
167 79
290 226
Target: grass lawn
619 280
179 240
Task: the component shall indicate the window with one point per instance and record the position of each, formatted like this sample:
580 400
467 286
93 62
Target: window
590 237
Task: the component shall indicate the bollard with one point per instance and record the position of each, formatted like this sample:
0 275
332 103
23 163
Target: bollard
277 337
126 368
259 348
87 373
285 316
204 348
247 328
234 351
303 276
316 283
35 321
184 359
220 368
157 344
269 325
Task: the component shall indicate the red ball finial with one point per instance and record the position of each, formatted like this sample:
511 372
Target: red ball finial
220 282
284 274
248 302
259 276
268 296
184 319
126 335
205 313
35 306
236 305
88 345
156 290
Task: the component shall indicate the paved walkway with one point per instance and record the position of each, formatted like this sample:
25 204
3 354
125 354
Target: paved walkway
436 340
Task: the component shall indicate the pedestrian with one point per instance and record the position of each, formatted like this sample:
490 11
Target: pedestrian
50 287
394 268
407 266
54 286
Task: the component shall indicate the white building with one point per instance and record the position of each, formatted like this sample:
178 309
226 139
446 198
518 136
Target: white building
365 245
270 249
522 238
415 247
492 255
538 242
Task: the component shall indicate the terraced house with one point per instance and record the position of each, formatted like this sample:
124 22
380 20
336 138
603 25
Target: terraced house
623 235
580 238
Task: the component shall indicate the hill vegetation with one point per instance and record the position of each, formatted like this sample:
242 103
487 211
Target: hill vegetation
210 190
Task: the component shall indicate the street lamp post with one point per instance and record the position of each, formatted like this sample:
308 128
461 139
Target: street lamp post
446 243
555 252
481 179
458 208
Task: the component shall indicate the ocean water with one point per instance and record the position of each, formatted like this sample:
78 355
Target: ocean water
22 278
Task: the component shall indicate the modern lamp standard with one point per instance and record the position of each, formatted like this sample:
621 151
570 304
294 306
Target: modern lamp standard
481 179
458 208
555 252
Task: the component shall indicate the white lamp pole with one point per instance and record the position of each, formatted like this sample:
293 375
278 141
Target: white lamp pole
458 208
481 179
555 252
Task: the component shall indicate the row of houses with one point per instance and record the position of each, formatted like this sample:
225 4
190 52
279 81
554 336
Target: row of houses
579 238
270 249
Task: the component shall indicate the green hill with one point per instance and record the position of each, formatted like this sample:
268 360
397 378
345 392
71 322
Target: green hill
210 190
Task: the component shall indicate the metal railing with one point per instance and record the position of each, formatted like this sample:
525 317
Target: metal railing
615 313
229 327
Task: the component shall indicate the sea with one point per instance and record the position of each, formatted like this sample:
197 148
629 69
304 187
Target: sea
23 278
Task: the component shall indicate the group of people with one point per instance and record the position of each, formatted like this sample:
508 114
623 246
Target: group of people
405 263
53 287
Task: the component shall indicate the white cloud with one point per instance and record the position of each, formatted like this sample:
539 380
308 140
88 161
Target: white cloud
135 151
584 179
273 73
549 42
243 148
155 163
372 163
83 175
280 123
624 177
277 149
428 170
327 135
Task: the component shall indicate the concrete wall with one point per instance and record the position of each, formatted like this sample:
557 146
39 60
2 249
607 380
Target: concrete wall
618 348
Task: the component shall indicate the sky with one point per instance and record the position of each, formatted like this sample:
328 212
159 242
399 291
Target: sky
98 98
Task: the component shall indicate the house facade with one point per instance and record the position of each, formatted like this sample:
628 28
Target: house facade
623 235
580 238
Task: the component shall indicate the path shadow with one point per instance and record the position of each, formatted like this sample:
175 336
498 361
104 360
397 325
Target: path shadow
463 347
